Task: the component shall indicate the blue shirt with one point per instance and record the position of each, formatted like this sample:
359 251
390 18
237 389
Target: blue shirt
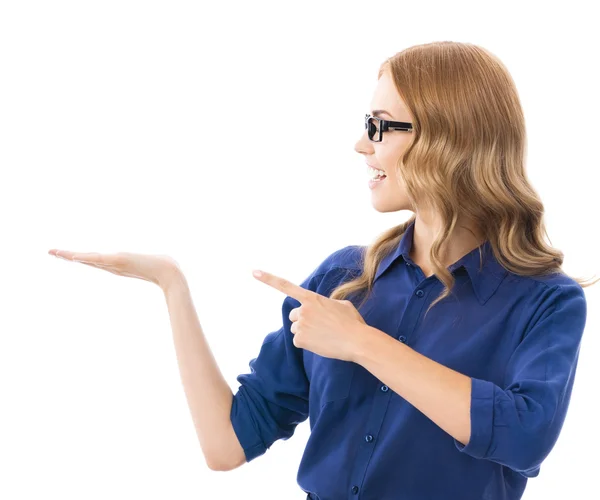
516 337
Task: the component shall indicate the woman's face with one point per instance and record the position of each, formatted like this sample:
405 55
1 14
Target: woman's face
389 194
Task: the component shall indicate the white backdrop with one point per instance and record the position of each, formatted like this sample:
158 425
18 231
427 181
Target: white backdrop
222 134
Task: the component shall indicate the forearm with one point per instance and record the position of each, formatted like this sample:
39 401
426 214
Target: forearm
208 394
442 394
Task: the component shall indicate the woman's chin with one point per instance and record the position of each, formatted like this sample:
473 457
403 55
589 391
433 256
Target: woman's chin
384 206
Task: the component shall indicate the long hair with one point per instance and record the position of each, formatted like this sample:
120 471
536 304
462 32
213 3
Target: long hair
466 158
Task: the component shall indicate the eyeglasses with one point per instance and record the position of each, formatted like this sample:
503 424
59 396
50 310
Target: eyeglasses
376 127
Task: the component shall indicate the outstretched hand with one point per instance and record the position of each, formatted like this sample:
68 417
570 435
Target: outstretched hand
158 269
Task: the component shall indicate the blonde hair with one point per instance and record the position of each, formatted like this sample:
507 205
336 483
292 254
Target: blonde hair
467 158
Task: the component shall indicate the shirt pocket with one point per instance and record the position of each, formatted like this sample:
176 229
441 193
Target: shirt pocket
331 379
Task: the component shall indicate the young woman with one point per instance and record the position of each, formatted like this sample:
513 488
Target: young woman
437 362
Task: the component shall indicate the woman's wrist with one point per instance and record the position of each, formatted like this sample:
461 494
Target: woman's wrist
172 276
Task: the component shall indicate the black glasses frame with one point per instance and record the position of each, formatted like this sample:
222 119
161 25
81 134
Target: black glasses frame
384 126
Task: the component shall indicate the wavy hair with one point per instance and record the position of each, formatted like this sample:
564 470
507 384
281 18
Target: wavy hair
466 158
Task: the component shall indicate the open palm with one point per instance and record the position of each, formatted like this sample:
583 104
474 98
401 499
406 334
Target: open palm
155 268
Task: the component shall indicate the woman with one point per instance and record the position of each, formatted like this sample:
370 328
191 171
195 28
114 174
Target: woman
462 399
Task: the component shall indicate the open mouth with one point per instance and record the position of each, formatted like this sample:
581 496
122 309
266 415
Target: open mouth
376 174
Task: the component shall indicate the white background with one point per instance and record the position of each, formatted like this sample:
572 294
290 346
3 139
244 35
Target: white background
222 134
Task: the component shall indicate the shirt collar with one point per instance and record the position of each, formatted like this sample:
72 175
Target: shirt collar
484 281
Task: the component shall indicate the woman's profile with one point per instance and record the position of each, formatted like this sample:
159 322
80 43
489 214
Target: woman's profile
436 362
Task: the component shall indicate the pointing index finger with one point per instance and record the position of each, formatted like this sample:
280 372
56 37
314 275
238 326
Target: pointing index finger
296 292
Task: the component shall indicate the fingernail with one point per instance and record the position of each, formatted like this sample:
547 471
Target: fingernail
257 273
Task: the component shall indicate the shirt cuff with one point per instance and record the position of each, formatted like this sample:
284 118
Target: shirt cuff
245 427
482 419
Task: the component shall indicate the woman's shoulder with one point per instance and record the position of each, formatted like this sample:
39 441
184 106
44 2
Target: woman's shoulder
555 280
546 292
348 258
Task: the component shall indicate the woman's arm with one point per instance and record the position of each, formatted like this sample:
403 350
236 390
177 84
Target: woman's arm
208 395
442 394
515 424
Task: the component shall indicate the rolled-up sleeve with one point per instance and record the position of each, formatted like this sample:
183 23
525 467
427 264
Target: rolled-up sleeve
274 397
517 425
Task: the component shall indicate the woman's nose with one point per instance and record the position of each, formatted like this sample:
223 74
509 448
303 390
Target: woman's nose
363 145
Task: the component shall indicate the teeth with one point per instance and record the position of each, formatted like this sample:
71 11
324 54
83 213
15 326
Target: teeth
374 173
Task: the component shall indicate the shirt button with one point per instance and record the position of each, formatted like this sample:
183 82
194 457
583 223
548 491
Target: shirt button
402 339
420 293
355 489
407 263
384 388
368 438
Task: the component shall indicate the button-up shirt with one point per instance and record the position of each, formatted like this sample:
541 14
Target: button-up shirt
516 337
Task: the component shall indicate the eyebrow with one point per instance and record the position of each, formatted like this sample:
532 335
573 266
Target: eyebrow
376 112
